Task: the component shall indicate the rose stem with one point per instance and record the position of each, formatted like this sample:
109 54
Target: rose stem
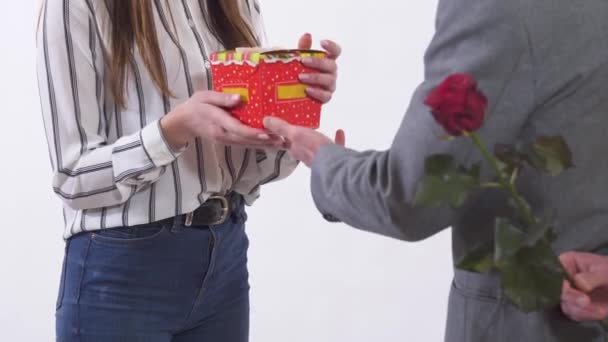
510 186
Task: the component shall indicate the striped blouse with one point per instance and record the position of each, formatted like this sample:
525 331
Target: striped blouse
111 165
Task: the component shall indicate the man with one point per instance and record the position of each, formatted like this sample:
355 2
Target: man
543 65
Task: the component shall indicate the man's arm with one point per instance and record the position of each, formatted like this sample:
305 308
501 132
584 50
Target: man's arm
374 191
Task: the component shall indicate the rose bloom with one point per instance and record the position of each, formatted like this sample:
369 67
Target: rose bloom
457 104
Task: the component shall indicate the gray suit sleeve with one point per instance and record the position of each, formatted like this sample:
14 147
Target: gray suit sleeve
374 190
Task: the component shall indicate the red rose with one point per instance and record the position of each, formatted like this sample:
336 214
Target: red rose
457 104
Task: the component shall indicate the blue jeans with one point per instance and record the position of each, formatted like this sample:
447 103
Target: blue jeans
156 283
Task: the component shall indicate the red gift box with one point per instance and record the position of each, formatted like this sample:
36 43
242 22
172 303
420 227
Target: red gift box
268 84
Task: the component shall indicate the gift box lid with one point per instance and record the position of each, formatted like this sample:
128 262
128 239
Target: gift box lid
254 57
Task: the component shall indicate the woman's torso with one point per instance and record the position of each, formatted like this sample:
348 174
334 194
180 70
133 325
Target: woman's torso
204 168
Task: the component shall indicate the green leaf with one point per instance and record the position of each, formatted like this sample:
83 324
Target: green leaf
533 278
550 155
550 235
475 171
479 260
453 190
543 229
444 183
509 157
513 204
531 274
439 164
508 241
507 153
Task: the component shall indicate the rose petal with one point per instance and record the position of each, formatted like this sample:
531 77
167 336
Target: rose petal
457 105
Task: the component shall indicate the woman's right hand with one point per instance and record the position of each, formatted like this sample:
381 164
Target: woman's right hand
204 115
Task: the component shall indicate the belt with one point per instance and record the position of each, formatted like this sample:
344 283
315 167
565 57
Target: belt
215 211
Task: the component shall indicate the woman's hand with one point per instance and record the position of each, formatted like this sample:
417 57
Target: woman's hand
589 301
321 86
204 115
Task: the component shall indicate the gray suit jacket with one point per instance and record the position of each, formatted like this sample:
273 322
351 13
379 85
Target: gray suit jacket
544 66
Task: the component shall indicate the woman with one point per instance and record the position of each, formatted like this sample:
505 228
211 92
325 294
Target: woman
152 170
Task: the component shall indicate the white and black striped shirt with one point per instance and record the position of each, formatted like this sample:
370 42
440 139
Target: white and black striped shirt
112 167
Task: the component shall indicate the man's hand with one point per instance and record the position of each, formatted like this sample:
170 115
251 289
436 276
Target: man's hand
302 143
589 301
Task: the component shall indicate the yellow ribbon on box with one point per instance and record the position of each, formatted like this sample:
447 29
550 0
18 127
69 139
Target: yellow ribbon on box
284 92
291 91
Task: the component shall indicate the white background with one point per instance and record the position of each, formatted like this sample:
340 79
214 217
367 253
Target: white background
311 280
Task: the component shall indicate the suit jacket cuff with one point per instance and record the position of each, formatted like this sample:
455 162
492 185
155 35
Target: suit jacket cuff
321 178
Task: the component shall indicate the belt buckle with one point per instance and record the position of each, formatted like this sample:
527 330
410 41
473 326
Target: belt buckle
189 218
225 208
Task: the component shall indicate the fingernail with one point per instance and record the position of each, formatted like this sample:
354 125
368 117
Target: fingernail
582 301
308 35
264 136
304 77
324 42
235 97
306 60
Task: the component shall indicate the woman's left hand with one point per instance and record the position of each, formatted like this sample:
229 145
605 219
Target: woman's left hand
322 85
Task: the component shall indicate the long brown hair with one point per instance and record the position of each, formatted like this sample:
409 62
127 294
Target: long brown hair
132 23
